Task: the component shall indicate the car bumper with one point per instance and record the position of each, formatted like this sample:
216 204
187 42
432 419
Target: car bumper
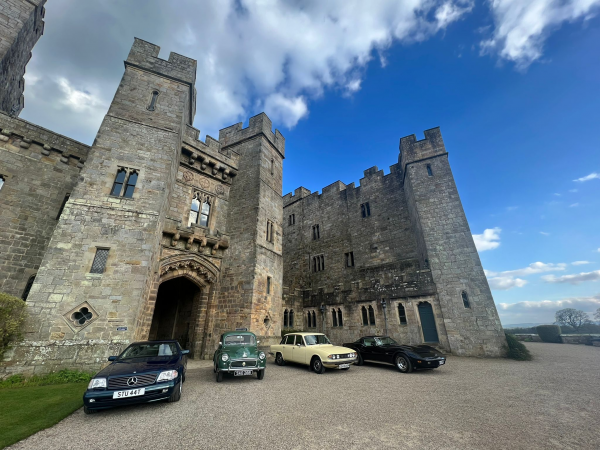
101 399
429 363
338 362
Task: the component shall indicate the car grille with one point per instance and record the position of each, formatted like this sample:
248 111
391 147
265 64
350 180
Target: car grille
347 355
240 363
121 382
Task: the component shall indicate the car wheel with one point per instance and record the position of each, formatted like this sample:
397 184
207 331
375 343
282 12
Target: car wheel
403 364
219 376
260 374
317 365
359 360
176 395
279 359
215 367
89 411
183 378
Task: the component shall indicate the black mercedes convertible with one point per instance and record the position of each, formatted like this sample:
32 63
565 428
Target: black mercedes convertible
145 372
406 358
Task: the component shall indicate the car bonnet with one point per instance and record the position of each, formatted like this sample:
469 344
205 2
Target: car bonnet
139 365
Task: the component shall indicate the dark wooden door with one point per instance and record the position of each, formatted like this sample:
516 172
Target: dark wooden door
430 333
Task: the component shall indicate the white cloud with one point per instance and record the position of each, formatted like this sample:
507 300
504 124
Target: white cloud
574 278
580 263
573 205
505 283
522 26
533 268
544 233
543 311
589 177
78 100
285 110
489 240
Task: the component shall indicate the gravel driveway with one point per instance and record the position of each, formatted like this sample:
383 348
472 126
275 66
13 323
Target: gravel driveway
552 402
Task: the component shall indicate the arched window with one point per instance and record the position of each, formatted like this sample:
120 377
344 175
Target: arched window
371 315
119 182
28 287
314 320
402 314
130 187
152 105
199 214
291 319
465 299
204 214
340 321
194 211
1 181
272 166
334 318
309 320
285 319
429 171
365 317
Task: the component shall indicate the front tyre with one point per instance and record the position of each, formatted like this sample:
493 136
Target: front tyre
89 411
279 359
403 364
219 376
359 359
317 365
176 395
260 374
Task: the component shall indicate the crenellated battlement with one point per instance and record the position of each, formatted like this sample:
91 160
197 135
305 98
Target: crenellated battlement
412 150
259 124
144 54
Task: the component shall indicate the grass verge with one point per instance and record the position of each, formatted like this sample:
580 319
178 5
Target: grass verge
27 410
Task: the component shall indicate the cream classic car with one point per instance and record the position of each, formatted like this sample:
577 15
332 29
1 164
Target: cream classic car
314 350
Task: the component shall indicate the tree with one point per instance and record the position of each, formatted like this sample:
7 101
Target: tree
597 315
572 317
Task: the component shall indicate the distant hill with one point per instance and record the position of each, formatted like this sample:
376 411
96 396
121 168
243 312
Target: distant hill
522 325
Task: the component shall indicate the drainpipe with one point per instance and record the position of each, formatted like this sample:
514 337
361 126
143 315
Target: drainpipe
384 306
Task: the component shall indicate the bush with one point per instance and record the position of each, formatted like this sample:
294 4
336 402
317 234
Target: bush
62 377
516 350
549 333
13 312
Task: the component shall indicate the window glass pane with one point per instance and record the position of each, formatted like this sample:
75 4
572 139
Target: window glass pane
129 191
193 218
195 205
291 322
203 220
132 179
99 264
116 190
205 208
120 177
1 182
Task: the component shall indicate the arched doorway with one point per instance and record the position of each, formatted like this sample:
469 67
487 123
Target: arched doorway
175 311
430 333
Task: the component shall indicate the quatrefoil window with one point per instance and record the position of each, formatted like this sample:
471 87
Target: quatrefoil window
82 316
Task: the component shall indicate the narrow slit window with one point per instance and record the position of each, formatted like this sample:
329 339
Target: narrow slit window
291 319
371 315
429 171
268 285
365 318
309 321
334 318
350 259
365 210
28 287
99 264
152 105
2 179
119 182
272 166
62 206
465 299
130 187
314 320
402 314
316 234
340 320
285 319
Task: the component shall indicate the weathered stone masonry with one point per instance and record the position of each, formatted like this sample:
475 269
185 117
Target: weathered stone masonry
151 233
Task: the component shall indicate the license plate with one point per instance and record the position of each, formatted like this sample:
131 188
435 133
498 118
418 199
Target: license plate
442 362
129 393
344 366
241 373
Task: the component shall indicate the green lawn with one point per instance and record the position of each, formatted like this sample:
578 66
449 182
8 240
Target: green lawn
27 410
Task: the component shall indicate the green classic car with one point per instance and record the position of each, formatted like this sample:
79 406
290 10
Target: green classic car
238 354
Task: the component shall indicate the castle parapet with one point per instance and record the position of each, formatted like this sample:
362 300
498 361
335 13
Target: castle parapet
259 124
412 150
298 194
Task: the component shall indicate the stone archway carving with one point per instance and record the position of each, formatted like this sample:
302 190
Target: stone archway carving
195 267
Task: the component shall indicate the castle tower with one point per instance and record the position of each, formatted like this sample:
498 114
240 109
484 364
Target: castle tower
103 255
24 26
446 245
252 274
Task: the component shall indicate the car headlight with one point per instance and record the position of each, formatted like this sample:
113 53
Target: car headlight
224 357
167 375
262 355
97 383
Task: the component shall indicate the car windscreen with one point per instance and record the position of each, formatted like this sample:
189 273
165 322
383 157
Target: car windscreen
385 341
240 339
149 350
316 339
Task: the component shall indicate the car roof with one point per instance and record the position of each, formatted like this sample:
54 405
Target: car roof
304 333
229 333
160 341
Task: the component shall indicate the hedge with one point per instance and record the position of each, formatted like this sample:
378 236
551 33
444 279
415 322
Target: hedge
549 333
516 350
13 312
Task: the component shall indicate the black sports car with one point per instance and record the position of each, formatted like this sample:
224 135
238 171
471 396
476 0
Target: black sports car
405 357
145 372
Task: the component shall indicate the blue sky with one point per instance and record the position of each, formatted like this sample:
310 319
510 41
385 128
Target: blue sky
514 86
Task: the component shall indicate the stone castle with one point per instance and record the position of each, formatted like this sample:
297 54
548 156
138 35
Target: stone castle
150 233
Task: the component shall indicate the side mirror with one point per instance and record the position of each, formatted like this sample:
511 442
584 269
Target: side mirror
220 343
258 342
185 352
112 358
299 345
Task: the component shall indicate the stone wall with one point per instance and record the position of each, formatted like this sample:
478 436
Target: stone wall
21 25
40 169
